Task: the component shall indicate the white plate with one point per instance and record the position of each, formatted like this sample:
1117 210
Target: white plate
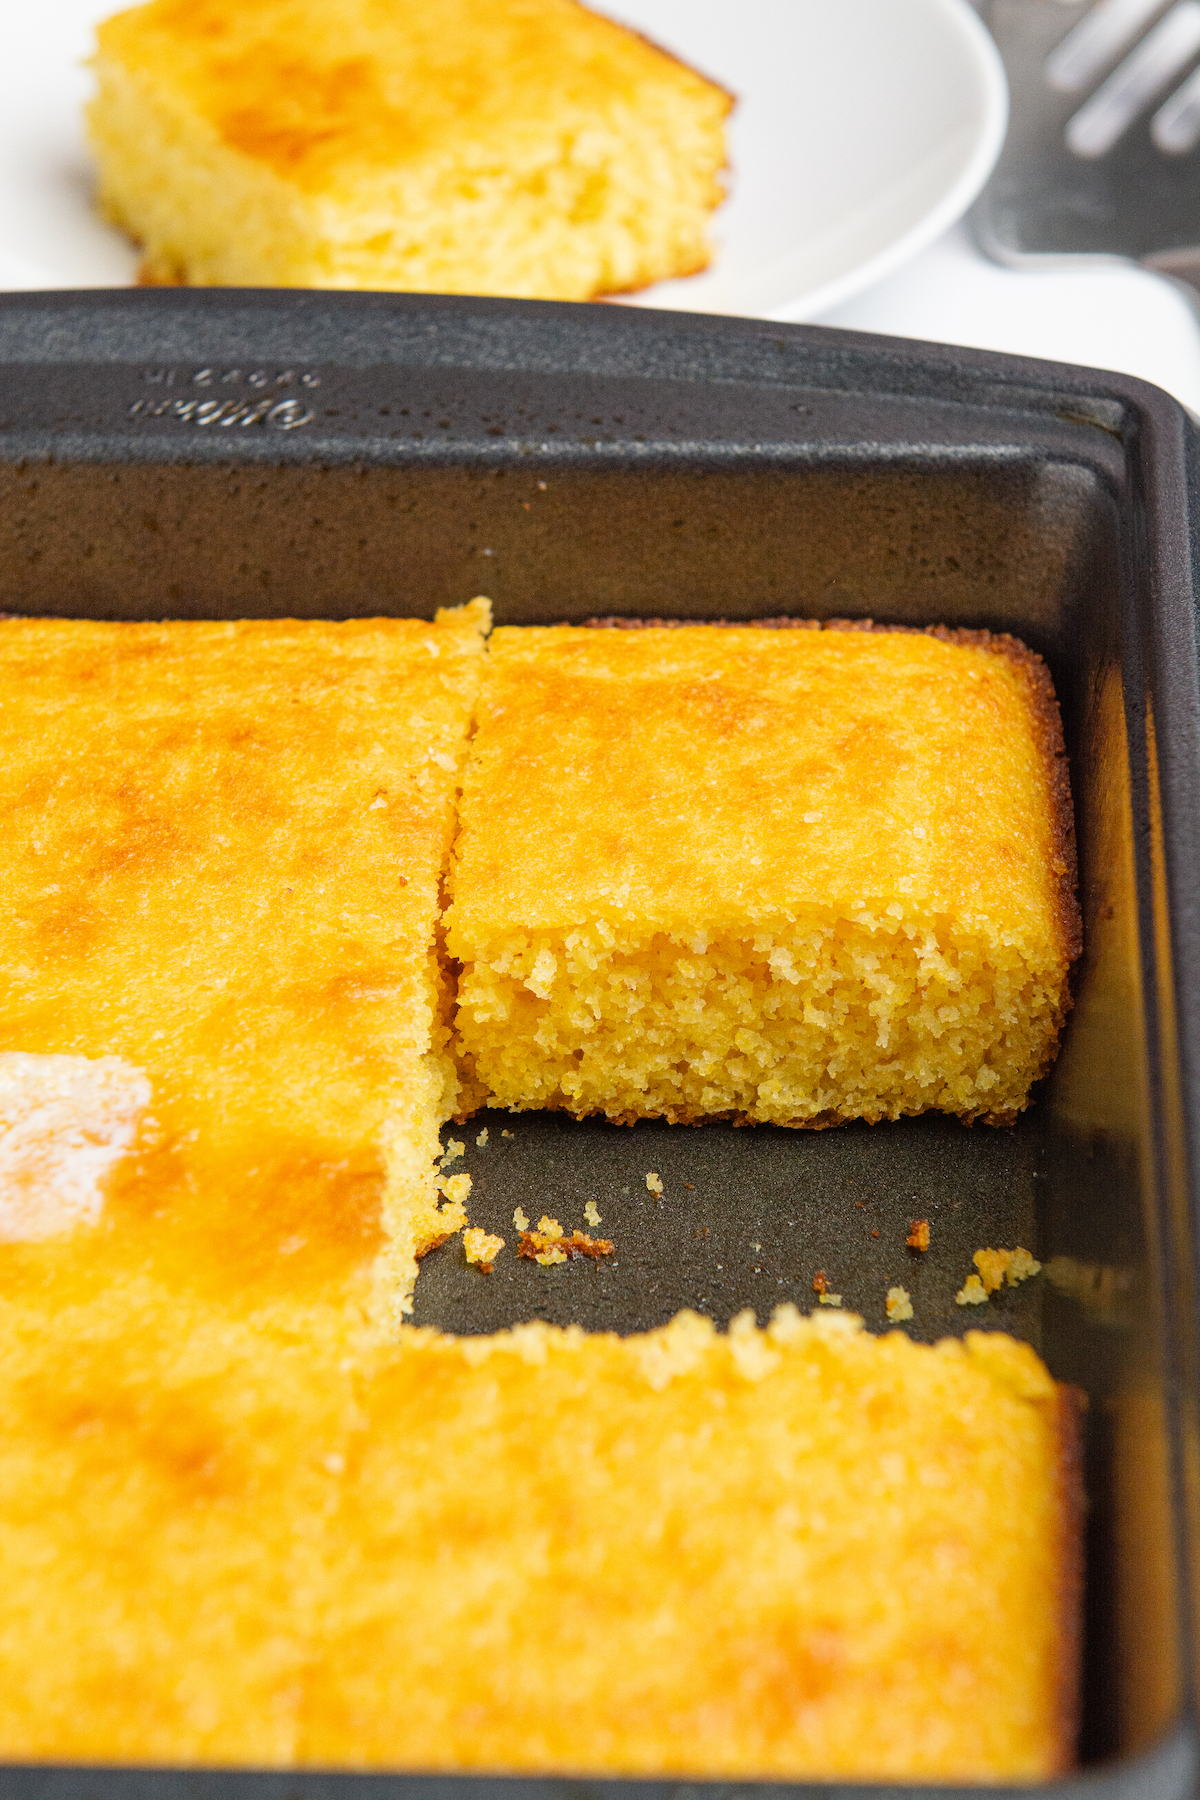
863 129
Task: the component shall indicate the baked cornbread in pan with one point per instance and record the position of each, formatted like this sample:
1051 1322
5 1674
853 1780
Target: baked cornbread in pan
223 1041
799 1552
804 1552
523 147
235 1484
795 876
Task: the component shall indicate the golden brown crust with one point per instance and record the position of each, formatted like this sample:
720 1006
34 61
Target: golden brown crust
1072 1404
1048 732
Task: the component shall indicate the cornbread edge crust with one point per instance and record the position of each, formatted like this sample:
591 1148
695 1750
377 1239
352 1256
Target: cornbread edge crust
532 149
1044 721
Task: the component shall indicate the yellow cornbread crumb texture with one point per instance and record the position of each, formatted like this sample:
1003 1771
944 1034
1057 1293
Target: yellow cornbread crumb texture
481 1247
792 876
522 147
543 1244
198 881
995 1268
898 1305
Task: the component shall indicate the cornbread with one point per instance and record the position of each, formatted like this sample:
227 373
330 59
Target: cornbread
898 1305
168 1471
482 1247
995 1268
223 1044
572 1553
241 1523
541 1551
521 147
549 1243
795 876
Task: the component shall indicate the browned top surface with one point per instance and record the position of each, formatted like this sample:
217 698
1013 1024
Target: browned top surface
690 776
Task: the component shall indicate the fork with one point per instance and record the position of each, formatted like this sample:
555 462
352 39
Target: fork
1103 151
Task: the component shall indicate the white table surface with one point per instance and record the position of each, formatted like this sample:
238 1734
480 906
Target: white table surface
1093 310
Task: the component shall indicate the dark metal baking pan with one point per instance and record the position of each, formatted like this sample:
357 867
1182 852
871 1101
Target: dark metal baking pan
201 454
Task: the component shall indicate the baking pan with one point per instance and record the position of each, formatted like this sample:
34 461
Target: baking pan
239 454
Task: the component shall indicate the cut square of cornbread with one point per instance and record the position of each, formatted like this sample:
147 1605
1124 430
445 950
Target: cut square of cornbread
223 1037
796 876
798 1553
521 147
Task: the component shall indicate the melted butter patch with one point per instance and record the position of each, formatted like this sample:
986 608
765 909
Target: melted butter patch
64 1122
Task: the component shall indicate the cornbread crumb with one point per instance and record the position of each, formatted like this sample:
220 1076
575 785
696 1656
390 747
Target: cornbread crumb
454 1149
481 1140
452 1213
971 1293
819 1284
899 1305
1022 1267
482 1247
654 1182
918 1235
520 147
991 1265
505 1132
520 1218
997 1266
550 1244
828 1299
591 1213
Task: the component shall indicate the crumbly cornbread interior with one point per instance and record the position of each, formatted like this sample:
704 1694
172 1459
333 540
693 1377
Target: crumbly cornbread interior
794 876
224 850
520 147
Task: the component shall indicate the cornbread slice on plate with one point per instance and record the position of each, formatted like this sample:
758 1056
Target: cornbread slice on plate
521 147
795 876
223 1051
798 1553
